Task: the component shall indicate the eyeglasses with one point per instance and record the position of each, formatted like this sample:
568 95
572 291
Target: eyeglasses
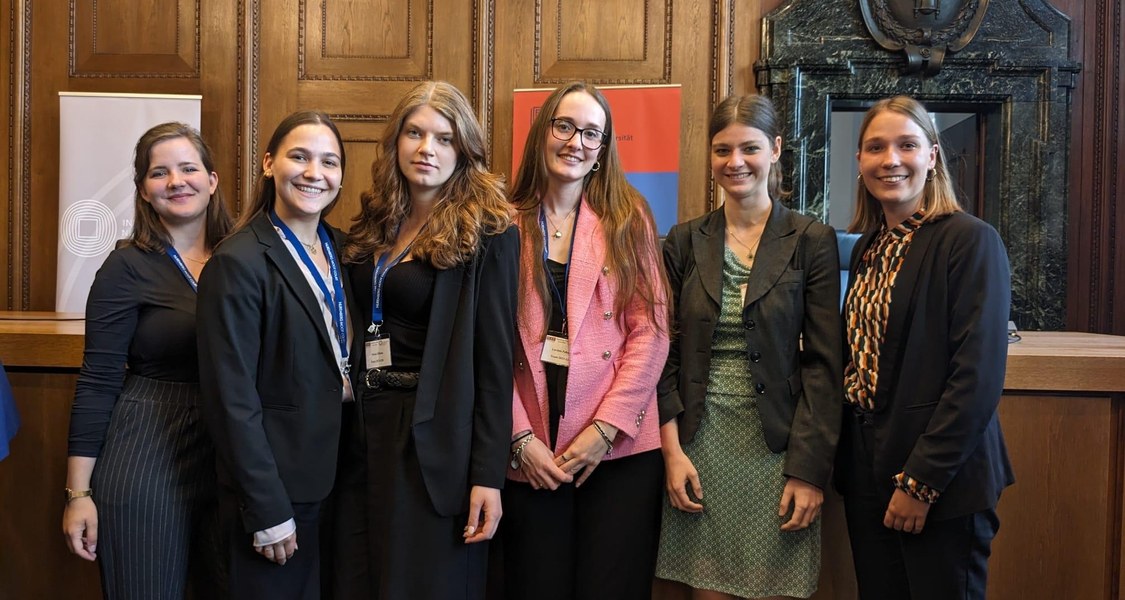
564 130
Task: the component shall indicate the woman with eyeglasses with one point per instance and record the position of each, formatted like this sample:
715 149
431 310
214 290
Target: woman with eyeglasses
582 506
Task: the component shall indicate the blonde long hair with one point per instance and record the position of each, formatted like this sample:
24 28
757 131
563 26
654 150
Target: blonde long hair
470 205
627 221
938 197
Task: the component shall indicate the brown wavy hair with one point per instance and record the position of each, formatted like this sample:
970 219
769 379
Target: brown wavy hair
470 204
626 219
938 197
149 233
752 111
266 190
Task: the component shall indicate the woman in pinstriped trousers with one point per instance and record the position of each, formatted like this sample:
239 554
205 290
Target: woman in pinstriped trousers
141 474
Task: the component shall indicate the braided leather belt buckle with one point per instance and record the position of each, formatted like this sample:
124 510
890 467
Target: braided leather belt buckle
377 379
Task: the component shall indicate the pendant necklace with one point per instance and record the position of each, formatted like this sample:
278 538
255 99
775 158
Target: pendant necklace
749 250
558 230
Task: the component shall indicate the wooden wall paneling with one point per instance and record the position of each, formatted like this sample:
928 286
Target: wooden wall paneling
219 34
17 259
543 43
7 193
354 59
1096 264
1052 543
154 38
39 566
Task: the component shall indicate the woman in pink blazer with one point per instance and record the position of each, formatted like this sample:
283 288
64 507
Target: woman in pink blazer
582 508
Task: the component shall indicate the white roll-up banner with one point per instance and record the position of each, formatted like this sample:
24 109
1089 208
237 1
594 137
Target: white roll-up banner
97 134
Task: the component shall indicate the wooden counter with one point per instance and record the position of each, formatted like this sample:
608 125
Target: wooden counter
1063 415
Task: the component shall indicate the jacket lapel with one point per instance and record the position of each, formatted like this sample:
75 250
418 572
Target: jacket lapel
903 300
707 243
286 265
443 312
775 252
586 261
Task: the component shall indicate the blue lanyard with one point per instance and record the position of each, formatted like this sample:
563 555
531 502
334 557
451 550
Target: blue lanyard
175 256
335 300
378 276
546 256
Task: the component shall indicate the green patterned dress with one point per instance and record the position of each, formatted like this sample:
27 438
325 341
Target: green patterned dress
736 545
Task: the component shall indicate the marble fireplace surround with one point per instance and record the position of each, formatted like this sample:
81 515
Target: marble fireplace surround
1016 72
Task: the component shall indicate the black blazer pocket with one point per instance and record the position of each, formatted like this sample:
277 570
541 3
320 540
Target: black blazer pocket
795 384
919 407
795 276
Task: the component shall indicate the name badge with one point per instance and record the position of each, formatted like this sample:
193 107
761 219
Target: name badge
556 351
378 353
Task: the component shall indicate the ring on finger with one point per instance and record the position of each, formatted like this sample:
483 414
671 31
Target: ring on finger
565 458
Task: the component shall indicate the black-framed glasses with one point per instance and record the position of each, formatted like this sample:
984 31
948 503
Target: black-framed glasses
564 130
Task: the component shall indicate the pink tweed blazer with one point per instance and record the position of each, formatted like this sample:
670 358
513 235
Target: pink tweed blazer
614 362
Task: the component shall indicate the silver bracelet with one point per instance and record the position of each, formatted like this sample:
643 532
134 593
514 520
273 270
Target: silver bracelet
518 452
605 438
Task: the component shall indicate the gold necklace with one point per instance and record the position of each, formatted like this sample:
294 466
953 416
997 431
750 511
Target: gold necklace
558 230
749 250
310 247
196 260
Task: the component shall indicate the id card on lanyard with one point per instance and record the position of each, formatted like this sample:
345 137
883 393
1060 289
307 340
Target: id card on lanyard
556 345
334 298
378 350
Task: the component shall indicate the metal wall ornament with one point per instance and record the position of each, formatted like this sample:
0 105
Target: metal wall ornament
925 30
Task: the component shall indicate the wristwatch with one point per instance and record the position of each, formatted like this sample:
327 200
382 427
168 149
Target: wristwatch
72 494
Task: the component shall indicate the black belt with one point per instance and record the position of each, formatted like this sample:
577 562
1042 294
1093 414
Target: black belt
377 379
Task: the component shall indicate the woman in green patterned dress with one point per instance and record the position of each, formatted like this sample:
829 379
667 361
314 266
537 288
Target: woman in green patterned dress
750 397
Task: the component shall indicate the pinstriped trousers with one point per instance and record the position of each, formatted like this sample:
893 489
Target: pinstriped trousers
155 489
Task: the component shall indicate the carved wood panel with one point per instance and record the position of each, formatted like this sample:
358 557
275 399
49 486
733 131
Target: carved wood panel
353 59
131 38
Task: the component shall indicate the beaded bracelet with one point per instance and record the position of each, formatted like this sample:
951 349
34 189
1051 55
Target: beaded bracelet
605 438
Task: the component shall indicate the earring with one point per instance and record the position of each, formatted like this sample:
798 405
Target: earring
930 174
268 174
597 165
859 177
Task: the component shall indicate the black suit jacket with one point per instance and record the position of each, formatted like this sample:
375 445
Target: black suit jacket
793 293
941 366
271 388
463 408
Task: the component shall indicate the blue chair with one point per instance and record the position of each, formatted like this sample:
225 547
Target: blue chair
845 242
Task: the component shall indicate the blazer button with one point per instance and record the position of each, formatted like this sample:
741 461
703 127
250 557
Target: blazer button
755 356
760 387
750 324
606 355
607 315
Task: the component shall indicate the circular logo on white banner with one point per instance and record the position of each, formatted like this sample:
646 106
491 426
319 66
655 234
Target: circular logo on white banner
88 228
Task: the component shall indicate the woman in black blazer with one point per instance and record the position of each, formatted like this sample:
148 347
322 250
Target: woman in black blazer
922 460
434 263
750 394
274 360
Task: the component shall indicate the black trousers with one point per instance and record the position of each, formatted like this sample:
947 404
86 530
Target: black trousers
253 576
947 561
596 541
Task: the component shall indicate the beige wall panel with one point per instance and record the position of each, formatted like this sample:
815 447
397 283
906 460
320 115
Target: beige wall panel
131 38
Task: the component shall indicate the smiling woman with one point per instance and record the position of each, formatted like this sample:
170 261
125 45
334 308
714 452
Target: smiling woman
275 352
